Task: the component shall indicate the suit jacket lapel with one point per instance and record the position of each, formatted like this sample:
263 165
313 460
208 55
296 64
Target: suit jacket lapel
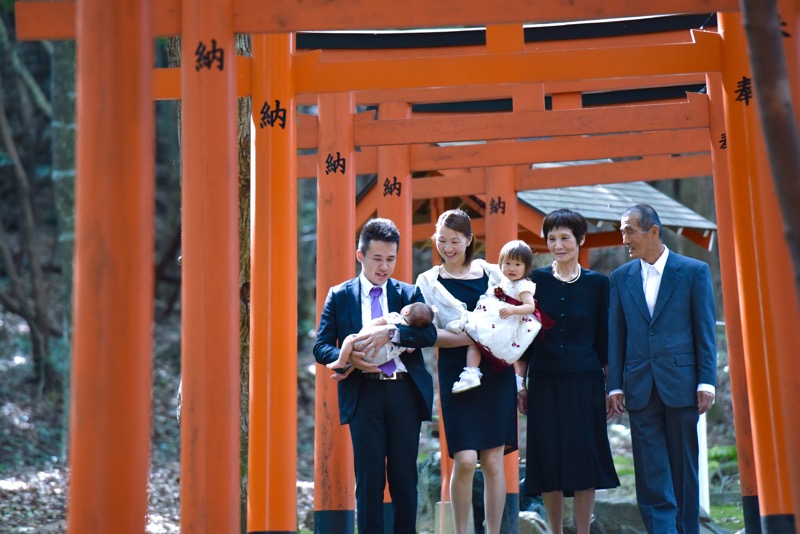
393 300
636 288
669 280
354 294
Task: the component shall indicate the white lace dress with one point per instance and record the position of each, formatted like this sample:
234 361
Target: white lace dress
504 339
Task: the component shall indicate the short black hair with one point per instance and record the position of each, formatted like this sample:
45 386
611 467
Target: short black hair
647 215
565 218
378 230
420 315
517 250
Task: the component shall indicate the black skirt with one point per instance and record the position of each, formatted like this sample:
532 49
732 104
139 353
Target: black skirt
567 445
484 417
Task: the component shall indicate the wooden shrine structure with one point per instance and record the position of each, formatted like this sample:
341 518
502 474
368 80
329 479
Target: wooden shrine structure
423 158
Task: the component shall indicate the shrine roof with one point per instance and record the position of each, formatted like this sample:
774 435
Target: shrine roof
603 204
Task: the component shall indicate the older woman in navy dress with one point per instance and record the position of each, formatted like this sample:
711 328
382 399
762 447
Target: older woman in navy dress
482 422
566 402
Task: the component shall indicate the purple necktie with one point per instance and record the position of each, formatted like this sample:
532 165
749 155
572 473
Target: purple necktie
389 367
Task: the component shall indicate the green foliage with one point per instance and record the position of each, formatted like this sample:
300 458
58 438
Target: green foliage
60 352
7 6
728 516
21 341
624 466
723 454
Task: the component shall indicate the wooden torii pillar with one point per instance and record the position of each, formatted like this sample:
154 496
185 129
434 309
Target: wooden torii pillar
765 307
113 307
272 445
733 310
210 249
334 495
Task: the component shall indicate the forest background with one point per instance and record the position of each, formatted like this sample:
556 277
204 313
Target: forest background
37 177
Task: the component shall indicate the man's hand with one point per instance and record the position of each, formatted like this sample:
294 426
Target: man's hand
615 405
705 400
368 345
371 341
360 361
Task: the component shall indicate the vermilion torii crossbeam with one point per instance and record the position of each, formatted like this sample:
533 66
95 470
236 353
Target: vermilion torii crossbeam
315 74
54 19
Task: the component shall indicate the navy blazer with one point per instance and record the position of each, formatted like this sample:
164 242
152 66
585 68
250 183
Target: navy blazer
676 349
341 316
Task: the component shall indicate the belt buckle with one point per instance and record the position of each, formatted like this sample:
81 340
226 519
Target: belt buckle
392 376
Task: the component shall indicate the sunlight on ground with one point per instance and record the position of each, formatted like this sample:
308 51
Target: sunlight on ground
16 416
157 524
12 485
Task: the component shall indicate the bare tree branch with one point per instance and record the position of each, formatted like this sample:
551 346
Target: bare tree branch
13 275
38 338
778 120
20 307
12 307
38 96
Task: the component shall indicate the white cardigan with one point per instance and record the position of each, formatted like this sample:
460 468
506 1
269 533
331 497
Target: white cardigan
448 308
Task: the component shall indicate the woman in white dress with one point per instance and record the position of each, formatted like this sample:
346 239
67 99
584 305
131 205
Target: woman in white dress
481 423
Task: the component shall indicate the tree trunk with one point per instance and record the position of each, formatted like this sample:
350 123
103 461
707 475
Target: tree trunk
63 131
772 90
244 48
39 321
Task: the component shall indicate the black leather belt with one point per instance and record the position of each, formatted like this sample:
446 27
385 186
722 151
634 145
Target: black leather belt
381 376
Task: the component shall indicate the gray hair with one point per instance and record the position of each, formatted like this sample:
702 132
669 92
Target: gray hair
647 216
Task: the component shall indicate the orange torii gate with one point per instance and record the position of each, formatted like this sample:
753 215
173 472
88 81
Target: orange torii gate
767 417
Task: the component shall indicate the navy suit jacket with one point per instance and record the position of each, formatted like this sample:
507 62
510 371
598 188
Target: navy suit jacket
341 316
676 349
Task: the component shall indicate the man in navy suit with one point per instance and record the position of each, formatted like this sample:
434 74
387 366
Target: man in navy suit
662 361
385 411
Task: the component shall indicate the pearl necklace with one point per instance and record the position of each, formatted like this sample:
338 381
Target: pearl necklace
451 275
558 276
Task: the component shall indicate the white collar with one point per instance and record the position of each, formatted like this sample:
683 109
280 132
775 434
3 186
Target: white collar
366 285
660 263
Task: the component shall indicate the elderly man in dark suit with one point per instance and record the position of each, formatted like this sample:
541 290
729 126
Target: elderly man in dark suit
662 362
384 407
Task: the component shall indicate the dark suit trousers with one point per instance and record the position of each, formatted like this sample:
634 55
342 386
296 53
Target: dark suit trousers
665 456
385 432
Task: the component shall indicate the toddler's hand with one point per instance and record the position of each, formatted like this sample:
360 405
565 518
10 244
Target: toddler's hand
506 312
